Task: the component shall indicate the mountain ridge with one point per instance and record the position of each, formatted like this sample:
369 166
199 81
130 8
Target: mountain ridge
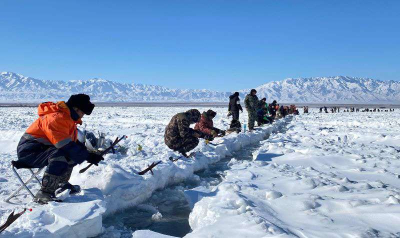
336 89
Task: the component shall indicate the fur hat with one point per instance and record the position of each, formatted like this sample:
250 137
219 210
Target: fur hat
82 102
211 113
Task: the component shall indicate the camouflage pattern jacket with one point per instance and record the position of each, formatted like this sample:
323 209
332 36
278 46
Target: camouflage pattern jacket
179 128
251 102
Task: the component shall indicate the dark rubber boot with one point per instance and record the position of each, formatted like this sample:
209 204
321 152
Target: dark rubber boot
74 189
66 176
49 185
64 184
184 154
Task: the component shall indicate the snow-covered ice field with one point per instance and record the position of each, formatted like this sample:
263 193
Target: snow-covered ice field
315 175
328 175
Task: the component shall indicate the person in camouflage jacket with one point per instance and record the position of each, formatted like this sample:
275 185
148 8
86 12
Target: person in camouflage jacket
251 103
178 134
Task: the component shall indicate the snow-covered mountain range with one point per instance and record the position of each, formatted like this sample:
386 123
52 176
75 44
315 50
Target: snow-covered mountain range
18 88
338 89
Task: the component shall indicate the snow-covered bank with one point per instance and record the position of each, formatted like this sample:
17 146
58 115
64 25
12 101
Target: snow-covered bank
114 185
329 175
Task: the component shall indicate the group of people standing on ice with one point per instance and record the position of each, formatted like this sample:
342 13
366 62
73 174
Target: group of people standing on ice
52 140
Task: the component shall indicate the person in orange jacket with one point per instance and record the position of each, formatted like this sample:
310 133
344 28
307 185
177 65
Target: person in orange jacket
52 141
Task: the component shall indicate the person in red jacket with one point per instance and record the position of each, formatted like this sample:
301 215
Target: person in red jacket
206 124
52 141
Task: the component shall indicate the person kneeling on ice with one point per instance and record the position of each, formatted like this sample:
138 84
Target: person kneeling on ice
206 124
178 134
262 116
272 109
52 141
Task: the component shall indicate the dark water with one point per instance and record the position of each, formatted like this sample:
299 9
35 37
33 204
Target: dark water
171 202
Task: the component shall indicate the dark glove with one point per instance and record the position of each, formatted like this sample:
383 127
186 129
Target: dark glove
80 144
94 158
208 137
223 133
198 134
214 133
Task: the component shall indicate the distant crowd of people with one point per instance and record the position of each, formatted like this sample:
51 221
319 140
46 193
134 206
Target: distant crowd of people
351 109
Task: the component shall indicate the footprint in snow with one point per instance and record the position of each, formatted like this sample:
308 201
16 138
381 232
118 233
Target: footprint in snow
341 188
308 205
310 183
357 203
271 195
346 180
363 186
392 200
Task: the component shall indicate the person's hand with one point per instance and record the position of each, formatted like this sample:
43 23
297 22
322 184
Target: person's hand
208 137
80 144
223 133
198 134
94 158
214 133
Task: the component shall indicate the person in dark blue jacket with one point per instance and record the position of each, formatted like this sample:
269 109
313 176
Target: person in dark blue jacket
234 106
262 115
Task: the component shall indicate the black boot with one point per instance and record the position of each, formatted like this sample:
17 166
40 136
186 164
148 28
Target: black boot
182 152
64 184
74 189
186 155
46 194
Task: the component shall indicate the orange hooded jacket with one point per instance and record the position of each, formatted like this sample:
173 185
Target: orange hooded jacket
54 125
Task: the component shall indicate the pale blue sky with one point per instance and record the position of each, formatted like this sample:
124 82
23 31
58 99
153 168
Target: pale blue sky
220 45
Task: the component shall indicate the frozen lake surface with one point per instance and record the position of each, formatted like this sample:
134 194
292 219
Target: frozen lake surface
314 175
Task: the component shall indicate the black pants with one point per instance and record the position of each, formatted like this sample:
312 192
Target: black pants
184 144
235 115
36 155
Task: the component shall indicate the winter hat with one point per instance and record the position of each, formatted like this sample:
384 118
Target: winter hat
211 113
264 99
236 94
253 91
194 115
82 102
